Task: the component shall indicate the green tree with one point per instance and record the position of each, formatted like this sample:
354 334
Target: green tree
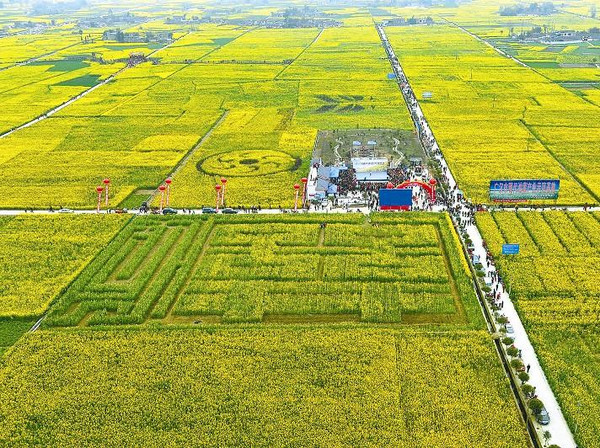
547 436
524 377
536 405
516 364
527 389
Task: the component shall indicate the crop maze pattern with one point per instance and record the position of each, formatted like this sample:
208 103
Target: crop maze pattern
193 269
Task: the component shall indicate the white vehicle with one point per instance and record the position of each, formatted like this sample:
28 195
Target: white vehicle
66 210
509 329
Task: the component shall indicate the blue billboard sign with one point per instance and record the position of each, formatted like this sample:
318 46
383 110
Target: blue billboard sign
522 190
395 198
510 249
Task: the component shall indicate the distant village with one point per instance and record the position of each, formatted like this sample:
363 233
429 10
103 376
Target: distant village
28 26
111 20
126 20
548 36
401 21
531 9
137 37
292 17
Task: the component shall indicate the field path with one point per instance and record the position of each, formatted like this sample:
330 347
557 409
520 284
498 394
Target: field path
62 106
276 211
193 270
321 264
190 153
314 41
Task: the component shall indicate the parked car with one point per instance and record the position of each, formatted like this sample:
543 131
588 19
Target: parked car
229 211
208 210
543 418
169 211
65 210
509 329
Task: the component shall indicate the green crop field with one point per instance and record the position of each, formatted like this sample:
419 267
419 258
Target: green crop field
250 269
11 330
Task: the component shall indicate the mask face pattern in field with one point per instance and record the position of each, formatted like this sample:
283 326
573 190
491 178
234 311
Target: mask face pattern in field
248 163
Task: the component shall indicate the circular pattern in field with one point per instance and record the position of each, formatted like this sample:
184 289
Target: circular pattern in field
248 163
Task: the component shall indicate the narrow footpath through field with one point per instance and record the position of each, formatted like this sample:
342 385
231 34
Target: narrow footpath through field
197 146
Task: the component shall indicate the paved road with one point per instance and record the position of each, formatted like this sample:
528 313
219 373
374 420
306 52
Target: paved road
264 211
561 434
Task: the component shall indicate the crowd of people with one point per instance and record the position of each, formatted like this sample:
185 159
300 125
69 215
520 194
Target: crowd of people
397 175
347 181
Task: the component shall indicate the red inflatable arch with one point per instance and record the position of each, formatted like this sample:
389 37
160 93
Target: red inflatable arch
428 187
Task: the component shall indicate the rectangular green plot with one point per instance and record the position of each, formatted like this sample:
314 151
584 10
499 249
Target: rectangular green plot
244 268
89 80
11 330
